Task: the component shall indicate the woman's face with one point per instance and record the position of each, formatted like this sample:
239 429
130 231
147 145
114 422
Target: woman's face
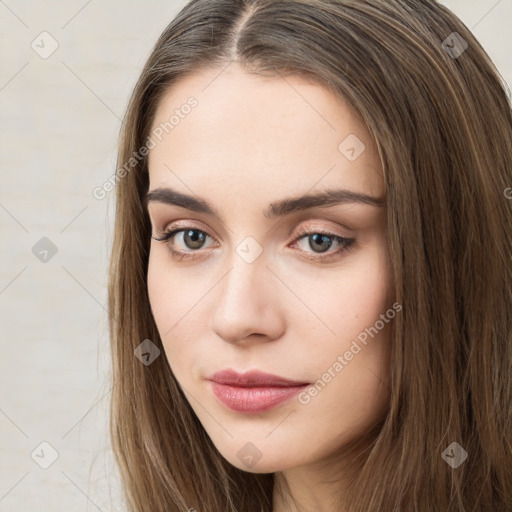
277 275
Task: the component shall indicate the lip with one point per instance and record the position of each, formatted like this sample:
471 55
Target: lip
253 391
253 378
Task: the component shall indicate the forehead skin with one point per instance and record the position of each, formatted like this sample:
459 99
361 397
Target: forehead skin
262 138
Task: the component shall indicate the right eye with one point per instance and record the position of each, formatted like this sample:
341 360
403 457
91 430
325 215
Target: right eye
191 238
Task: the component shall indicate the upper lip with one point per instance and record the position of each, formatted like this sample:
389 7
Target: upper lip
253 378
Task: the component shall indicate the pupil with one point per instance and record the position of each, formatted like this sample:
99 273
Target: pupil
323 238
194 242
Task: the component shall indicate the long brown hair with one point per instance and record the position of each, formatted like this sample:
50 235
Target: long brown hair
438 112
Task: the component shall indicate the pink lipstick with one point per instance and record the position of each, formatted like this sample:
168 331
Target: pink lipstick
253 391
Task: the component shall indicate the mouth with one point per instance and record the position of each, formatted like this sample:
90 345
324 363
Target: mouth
254 391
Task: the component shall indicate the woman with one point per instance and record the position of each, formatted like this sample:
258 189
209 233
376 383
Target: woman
311 282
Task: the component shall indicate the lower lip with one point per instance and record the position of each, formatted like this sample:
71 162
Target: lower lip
253 400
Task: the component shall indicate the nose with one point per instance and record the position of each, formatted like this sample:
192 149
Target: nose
248 304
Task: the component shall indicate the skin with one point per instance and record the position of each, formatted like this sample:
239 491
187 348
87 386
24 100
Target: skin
252 140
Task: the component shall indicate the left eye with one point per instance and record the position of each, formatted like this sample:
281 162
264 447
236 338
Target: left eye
322 242
194 239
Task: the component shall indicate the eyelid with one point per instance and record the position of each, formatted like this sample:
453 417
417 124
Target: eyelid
320 226
302 229
185 224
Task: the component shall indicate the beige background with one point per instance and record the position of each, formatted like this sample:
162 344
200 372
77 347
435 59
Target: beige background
60 118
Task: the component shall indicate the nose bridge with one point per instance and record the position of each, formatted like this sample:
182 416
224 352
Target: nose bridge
248 272
244 286
245 302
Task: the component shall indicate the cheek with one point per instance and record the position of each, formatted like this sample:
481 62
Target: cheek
171 293
167 298
345 299
365 294
351 362
365 342
157 286
178 307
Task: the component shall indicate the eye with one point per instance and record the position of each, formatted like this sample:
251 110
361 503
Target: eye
193 239
321 241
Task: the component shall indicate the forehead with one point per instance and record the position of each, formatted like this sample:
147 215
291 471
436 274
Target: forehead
263 134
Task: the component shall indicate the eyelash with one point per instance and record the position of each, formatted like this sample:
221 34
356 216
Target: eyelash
347 243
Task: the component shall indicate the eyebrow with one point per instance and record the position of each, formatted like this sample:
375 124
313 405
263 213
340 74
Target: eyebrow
276 209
